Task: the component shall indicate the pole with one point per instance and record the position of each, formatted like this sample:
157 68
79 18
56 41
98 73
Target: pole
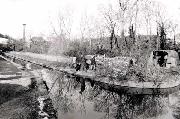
24 36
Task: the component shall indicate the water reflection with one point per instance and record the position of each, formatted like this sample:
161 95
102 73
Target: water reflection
76 99
175 104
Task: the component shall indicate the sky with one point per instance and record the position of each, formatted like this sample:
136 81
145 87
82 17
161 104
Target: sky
40 15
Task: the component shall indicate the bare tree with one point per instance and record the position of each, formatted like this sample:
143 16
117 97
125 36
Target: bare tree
164 25
86 29
127 16
148 15
111 24
88 32
62 32
123 10
136 13
99 32
173 31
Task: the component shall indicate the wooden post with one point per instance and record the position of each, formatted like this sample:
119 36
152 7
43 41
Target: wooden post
83 85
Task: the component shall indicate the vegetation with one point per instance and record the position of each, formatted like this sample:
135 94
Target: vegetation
116 32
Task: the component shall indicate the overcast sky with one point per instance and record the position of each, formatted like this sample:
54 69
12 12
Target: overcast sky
39 14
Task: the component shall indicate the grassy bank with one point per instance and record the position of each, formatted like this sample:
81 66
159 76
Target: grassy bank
17 102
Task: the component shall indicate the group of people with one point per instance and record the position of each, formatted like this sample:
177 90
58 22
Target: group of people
161 58
1 53
83 63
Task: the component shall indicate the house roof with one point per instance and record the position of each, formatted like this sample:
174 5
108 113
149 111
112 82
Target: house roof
171 53
3 41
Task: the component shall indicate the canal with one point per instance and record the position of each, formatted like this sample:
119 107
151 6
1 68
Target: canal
75 99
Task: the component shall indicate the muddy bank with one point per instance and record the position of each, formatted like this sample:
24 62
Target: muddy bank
30 102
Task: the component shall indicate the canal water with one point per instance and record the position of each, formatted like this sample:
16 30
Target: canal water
75 99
